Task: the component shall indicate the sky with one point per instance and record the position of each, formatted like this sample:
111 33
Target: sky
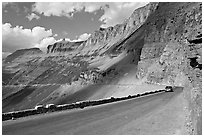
39 24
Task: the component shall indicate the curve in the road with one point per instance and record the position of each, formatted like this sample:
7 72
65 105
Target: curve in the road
104 119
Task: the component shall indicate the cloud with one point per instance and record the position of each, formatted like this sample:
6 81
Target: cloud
32 16
14 38
114 12
45 42
55 35
66 39
64 33
84 37
64 8
118 12
55 8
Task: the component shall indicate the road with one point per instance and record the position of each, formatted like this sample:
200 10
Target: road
155 114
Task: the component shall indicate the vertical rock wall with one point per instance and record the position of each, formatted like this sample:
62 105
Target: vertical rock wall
172 53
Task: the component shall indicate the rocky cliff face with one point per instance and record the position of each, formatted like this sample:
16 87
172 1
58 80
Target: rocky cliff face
172 52
63 46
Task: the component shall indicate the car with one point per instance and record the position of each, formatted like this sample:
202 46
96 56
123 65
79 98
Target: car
13 118
169 89
63 105
81 106
38 107
50 106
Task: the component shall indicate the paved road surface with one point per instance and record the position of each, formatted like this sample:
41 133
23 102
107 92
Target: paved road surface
135 116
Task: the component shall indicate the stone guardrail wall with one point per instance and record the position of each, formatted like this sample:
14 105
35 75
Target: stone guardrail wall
29 112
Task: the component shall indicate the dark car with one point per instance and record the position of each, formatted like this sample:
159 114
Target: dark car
169 89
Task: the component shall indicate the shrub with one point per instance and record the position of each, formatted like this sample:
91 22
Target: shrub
138 95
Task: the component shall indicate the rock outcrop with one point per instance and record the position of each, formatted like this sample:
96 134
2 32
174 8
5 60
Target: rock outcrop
63 46
93 76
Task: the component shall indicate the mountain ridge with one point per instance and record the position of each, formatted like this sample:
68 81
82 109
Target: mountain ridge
22 52
103 36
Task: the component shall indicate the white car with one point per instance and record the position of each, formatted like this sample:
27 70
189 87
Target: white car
50 106
62 105
38 107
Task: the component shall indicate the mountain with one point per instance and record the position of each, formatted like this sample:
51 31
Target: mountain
22 52
159 44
